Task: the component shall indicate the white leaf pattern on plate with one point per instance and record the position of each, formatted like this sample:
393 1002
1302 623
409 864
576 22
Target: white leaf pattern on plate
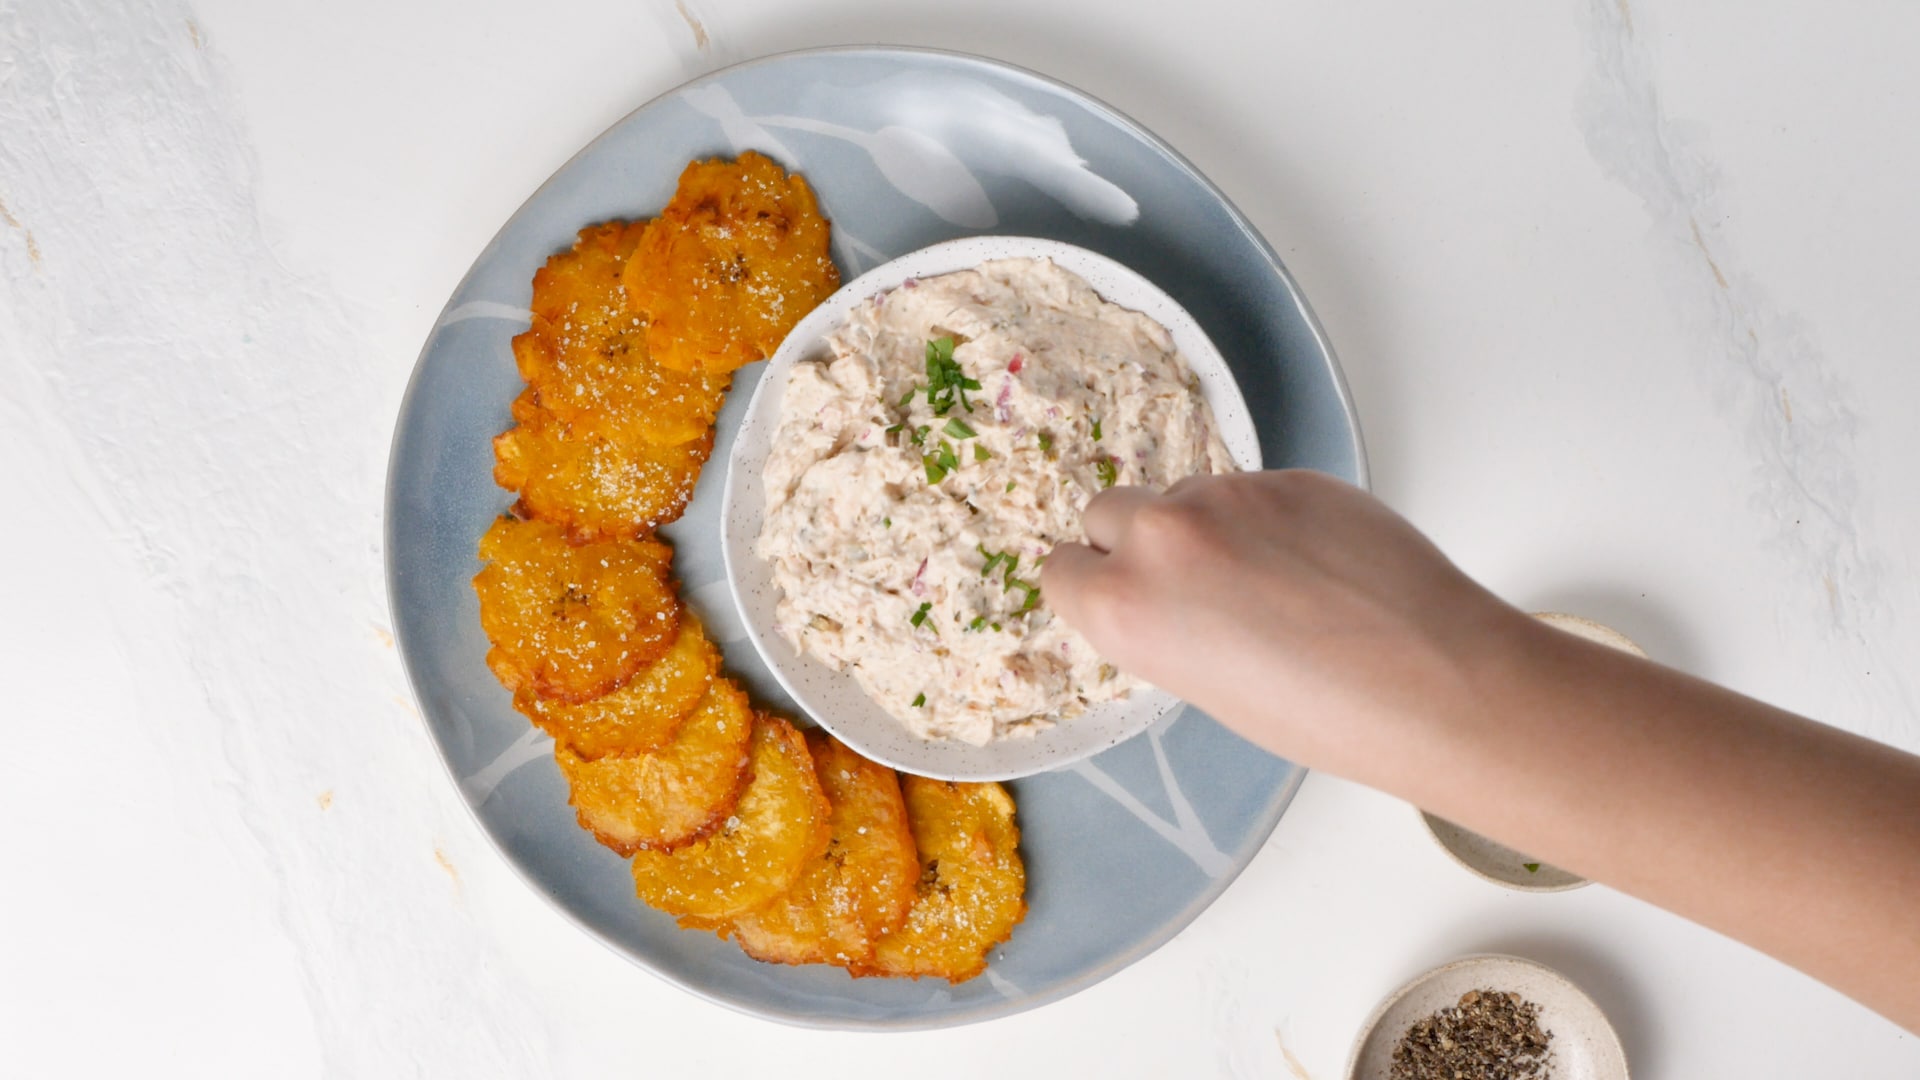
1185 832
860 256
999 135
931 167
916 165
717 610
485 309
1007 987
532 745
741 130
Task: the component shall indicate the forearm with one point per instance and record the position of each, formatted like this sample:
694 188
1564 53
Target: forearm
1796 838
1313 620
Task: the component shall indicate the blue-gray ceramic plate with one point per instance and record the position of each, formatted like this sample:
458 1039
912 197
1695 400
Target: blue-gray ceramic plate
905 148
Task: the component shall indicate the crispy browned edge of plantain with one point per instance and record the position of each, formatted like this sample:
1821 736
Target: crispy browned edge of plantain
569 518
795 738
743 776
659 552
558 731
1020 916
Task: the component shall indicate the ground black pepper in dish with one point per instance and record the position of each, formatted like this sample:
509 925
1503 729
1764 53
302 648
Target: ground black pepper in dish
1489 1035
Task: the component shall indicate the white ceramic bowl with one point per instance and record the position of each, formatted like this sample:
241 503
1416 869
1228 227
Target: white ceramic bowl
833 699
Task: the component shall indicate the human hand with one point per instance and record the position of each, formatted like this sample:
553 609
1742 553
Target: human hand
1308 617
1293 607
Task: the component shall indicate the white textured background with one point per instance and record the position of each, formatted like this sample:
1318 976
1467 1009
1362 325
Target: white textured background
1626 296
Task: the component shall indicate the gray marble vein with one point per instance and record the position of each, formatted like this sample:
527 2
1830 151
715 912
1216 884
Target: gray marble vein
1770 380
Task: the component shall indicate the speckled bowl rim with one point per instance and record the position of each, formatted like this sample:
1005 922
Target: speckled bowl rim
1428 819
1476 960
834 699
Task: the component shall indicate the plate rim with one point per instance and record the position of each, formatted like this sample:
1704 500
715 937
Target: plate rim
1279 800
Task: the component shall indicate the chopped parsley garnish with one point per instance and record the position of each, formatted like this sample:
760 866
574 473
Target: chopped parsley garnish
896 427
1108 474
1032 591
996 628
1532 867
940 462
919 700
908 396
920 615
980 452
978 622
1096 429
1009 485
994 558
958 428
1046 442
947 382
886 523
920 435
1008 582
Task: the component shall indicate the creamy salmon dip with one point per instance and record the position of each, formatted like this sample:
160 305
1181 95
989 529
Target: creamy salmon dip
922 472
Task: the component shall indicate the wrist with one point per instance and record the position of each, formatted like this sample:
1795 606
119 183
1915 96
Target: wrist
1446 707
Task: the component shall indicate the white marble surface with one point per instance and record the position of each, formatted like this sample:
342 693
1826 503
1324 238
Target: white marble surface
1625 295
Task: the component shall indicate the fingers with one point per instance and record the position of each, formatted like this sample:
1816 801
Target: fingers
1064 577
1110 513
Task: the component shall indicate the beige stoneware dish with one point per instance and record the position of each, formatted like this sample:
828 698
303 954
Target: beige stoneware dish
1583 1046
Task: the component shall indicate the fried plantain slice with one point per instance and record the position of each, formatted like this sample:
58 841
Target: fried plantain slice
572 621
644 713
676 795
593 478
585 353
584 276
972 882
779 825
729 266
856 891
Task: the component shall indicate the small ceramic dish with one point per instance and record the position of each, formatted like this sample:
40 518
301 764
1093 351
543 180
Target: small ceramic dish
1592 631
1583 1045
834 699
1493 860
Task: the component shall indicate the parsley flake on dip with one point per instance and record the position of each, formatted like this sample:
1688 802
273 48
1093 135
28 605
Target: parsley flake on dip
920 476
